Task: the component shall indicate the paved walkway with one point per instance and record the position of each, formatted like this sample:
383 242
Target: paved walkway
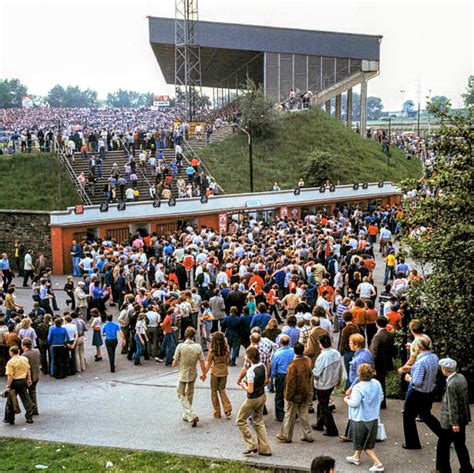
137 407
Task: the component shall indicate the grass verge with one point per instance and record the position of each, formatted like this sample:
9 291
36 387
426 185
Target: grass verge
35 181
19 455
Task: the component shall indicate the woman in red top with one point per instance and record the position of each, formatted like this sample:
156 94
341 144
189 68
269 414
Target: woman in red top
371 315
168 345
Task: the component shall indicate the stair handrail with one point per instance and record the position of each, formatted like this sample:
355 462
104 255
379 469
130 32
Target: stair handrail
187 147
72 174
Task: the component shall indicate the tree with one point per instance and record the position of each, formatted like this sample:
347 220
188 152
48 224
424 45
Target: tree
321 168
129 99
438 231
256 109
408 107
469 95
11 92
71 96
374 108
441 101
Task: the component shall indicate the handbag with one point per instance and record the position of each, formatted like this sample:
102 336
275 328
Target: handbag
381 435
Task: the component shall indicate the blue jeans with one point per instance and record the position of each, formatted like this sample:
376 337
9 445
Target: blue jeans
389 273
168 348
235 346
76 271
348 355
138 350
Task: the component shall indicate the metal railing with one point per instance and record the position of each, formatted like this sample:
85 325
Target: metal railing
72 175
187 148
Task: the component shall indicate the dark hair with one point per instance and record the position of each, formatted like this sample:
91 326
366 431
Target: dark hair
58 322
416 326
26 342
325 340
322 464
298 348
219 345
382 322
110 317
291 320
253 354
347 316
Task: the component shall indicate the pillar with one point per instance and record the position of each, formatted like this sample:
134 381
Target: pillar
328 106
349 108
363 107
338 107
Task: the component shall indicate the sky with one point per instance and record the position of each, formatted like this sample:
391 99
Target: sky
103 44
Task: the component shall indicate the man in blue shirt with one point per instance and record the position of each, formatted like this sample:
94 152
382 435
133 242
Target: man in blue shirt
280 361
58 338
111 331
6 271
419 397
261 318
76 251
291 330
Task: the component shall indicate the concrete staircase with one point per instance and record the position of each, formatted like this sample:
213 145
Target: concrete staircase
145 180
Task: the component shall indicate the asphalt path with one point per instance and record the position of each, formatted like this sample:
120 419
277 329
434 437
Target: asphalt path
137 407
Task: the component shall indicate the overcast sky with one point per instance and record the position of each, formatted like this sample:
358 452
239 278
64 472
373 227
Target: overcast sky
103 44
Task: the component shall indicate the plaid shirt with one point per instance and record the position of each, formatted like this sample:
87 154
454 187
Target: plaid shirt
305 332
265 357
424 372
293 334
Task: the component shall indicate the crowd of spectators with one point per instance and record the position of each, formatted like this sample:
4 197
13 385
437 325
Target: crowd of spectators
299 296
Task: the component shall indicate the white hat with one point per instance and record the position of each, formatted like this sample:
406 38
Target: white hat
307 316
448 364
81 283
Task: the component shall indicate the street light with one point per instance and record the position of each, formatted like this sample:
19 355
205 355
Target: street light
249 141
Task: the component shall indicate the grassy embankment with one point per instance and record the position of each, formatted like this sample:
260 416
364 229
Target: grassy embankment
285 156
35 182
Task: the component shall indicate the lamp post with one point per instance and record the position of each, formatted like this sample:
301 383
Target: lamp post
249 141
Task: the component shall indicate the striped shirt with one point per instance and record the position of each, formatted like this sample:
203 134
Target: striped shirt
424 372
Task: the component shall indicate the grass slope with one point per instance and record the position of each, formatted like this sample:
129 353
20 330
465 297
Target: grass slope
18 455
35 182
284 157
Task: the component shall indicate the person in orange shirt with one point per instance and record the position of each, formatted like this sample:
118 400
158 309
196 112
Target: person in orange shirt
326 287
272 299
372 231
394 319
358 314
256 283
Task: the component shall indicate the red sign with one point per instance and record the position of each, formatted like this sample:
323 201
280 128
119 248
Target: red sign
283 212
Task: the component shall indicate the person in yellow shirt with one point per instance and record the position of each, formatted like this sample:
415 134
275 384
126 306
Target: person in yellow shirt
389 267
18 379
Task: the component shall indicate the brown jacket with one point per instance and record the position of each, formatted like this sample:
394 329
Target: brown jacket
298 381
312 347
347 331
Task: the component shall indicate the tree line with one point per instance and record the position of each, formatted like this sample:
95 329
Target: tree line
12 91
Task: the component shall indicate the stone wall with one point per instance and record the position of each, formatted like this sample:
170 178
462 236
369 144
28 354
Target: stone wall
30 227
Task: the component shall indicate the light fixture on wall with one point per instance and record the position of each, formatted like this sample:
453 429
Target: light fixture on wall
365 185
104 207
172 202
297 191
121 206
355 186
322 189
79 209
157 203
204 199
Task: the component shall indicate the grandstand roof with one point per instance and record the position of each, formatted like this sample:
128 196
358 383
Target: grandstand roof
226 47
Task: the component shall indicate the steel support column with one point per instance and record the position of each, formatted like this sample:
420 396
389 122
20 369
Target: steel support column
187 57
338 107
363 107
328 106
349 108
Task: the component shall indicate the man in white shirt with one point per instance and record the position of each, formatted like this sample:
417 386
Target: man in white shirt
365 290
28 268
152 330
